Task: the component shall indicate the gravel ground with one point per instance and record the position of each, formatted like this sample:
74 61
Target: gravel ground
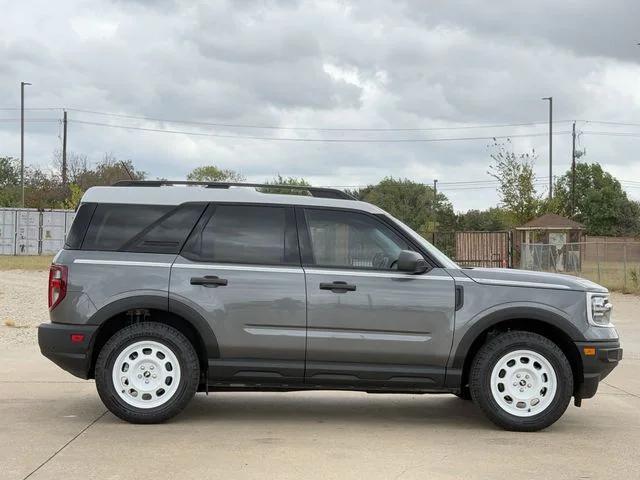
23 301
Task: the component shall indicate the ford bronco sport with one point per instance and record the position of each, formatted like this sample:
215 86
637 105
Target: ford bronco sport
165 289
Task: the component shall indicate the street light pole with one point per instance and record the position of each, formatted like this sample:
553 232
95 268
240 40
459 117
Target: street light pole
22 84
550 146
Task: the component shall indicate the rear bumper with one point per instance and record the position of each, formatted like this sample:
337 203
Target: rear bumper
55 340
596 367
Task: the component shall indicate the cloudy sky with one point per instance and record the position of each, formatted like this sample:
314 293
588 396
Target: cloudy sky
394 85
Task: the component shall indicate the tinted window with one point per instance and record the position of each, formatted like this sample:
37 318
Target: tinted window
169 232
79 226
352 240
242 234
112 226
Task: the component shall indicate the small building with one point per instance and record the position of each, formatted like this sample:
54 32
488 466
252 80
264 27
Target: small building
550 243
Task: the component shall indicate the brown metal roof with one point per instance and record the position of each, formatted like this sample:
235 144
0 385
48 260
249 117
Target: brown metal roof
551 220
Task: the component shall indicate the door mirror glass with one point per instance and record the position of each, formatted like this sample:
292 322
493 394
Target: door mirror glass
412 262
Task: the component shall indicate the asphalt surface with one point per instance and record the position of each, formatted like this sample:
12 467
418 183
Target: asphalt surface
53 426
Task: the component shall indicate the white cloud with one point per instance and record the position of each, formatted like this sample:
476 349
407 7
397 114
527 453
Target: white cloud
358 64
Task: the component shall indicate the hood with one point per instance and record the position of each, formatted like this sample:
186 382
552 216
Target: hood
528 278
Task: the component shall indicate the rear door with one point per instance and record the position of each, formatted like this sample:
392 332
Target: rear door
369 324
240 269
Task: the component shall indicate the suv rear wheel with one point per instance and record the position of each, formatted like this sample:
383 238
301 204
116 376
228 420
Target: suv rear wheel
521 380
147 372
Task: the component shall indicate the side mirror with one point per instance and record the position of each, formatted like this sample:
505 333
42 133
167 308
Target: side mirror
412 262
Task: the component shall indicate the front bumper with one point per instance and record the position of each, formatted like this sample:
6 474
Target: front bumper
598 360
69 353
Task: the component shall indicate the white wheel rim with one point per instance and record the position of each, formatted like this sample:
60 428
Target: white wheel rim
146 374
523 383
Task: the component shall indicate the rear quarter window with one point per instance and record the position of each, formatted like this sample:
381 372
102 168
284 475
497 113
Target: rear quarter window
79 226
141 228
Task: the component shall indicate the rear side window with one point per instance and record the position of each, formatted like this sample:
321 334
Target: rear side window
141 228
79 226
246 234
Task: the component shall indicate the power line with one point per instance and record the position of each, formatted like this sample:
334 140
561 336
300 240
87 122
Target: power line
30 109
280 127
30 119
612 134
603 122
328 129
293 139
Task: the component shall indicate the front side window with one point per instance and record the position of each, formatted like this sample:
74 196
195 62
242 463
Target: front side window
352 240
243 234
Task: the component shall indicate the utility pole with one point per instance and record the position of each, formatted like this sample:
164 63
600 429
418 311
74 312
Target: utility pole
435 195
64 148
22 84
573 170
435 204
550 146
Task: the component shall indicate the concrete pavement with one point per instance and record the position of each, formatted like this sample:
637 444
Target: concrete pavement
53 426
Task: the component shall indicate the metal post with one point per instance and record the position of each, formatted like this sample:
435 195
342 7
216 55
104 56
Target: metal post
625 266
550 146
64 148
22 84
573 171
598 259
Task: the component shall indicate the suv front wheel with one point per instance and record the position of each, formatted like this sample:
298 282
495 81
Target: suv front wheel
521 380
147 372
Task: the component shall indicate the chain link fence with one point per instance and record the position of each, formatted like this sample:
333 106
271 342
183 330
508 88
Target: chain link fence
614 264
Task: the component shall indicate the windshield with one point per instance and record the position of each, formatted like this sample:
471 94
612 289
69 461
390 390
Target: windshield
435 253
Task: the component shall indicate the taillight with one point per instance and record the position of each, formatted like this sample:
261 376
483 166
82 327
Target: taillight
57 285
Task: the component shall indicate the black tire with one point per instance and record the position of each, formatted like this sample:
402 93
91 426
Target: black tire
170 338
495 349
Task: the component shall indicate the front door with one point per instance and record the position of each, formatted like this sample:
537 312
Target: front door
368 323
240 269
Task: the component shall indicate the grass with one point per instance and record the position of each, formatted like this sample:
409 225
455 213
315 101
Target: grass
25 262
614 275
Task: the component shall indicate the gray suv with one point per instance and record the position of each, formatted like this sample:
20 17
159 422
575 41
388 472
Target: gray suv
165 289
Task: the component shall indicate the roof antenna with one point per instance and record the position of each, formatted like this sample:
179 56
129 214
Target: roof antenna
124 165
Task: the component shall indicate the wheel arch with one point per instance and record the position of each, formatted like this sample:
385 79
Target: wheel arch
549 324
120 313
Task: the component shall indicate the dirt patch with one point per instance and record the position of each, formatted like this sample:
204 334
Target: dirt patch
23 305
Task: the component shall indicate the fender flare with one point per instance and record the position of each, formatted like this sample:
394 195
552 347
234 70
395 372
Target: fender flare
553 318
163 303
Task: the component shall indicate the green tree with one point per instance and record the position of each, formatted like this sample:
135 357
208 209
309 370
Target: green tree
73 199
45 189
280 180
412 203
602 206
490 220
516 179
9 182
107 172
211 173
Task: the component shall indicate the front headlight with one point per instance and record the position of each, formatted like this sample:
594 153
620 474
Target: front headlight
599 309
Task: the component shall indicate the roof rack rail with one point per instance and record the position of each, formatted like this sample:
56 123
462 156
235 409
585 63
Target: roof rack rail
319 192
